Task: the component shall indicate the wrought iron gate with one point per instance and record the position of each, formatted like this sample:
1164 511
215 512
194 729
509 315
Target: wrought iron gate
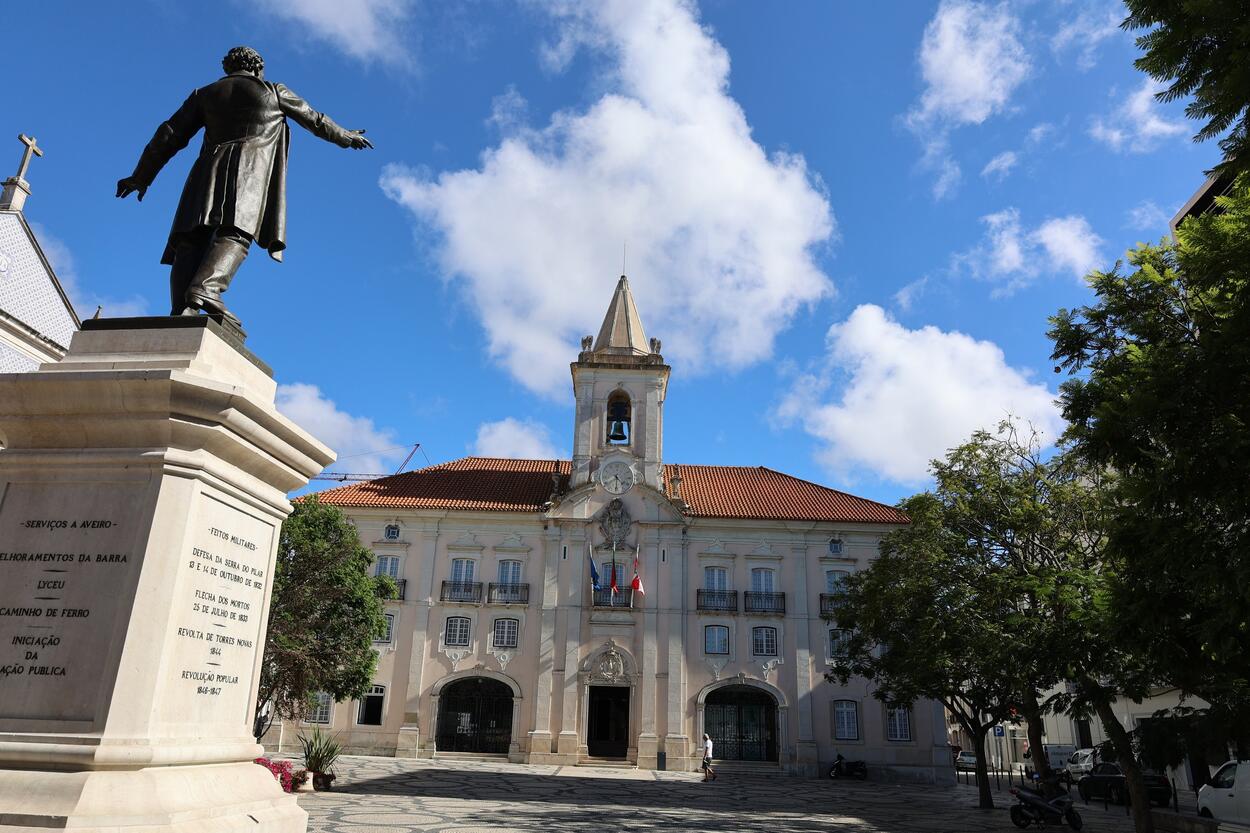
742 722
475 715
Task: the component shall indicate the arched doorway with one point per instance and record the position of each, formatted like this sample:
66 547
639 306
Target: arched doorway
742 721
474 715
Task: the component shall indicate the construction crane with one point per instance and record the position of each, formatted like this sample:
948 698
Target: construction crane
354 477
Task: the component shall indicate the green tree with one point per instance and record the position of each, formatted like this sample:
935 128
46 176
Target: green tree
325 613
1160 393
924 621
1201 48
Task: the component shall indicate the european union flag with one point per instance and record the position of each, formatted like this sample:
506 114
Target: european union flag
594 576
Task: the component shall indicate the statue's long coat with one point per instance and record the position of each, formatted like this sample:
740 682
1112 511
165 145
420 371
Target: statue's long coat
239 178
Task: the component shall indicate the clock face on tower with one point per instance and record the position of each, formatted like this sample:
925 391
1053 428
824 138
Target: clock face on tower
617 477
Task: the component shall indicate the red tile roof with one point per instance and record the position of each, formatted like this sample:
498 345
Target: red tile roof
505 485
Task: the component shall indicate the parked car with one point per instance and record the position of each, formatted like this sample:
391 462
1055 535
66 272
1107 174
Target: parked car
1107 781
1081 762
1227 797
966 761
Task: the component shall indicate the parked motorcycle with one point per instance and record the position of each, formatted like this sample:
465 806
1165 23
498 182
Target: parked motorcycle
842 768
1032 807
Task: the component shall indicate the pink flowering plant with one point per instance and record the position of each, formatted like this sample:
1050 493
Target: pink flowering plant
285 773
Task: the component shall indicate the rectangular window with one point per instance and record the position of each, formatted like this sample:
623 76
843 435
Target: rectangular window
837 643
506 633
390 629
845 720
509 572
388 565
764 642
319 711
762 580
462 570
457 631
370 713
715 578
715 639
898 724
835 580
605 575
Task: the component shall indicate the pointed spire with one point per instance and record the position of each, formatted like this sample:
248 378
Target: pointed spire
622 328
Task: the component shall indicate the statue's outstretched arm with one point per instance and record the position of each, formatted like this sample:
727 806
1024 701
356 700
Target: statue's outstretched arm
319 124
171 137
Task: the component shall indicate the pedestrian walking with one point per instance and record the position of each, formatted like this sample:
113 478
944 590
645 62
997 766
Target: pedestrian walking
709 774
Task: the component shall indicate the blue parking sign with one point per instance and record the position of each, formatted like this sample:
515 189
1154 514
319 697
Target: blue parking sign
999 731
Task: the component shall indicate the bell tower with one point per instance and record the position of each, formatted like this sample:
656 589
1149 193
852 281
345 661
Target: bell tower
619 382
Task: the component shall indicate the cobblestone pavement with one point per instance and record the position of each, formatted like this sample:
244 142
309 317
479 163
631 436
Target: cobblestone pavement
388 795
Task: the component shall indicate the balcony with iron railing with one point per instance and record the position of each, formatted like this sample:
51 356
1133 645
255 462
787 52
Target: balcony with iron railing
623 597
756 601
401 586
828 601
507 594
725 601
468 592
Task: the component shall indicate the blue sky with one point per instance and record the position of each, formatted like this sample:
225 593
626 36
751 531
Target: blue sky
847 223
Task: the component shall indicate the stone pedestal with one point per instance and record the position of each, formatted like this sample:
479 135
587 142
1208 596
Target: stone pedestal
142 488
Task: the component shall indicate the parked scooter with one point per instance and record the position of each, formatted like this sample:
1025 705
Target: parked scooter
1032 807
842 768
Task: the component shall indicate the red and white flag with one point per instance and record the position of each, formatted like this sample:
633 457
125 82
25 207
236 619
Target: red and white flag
612 583
637 582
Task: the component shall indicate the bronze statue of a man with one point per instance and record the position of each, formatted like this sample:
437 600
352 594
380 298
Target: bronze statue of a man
236 191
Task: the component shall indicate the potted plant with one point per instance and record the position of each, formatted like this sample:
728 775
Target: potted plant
320 752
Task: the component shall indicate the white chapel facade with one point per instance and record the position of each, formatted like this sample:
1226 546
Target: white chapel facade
500 644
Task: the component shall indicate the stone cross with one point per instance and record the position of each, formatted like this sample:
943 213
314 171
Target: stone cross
29 141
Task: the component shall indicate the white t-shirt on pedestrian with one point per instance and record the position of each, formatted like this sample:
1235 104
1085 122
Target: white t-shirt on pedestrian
707 748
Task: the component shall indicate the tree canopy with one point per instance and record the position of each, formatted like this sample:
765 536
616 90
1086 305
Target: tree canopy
1160 393
326 611
1201 48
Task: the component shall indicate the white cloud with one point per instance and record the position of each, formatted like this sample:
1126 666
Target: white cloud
906 297
909 396
511 437
972 61
1011 256
85 301
1085 34
364 29
721 235
1039 133
1136 125
1000 166
508 110
1148 217
1070 243
361 446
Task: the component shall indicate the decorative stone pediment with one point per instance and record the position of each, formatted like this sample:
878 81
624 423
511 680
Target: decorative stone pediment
615 523
466 541
513 543
716 548
611 665
764 548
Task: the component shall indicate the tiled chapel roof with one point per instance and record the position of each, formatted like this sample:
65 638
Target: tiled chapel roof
504 485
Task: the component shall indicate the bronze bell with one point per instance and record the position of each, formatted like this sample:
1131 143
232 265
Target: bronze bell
617 432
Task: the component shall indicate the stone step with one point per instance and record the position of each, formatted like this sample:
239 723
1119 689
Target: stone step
609 763
747 767
471 756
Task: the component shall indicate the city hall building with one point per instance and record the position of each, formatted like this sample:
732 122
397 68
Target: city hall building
517 633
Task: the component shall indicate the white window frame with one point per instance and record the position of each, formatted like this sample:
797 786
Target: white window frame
728 635
837 722
758 586
516 632
375 691
836 546
715 569
763 631
388 560
390 532
898 724
837 636
325 703
468 632
835 580
509 563
471 569
388 637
